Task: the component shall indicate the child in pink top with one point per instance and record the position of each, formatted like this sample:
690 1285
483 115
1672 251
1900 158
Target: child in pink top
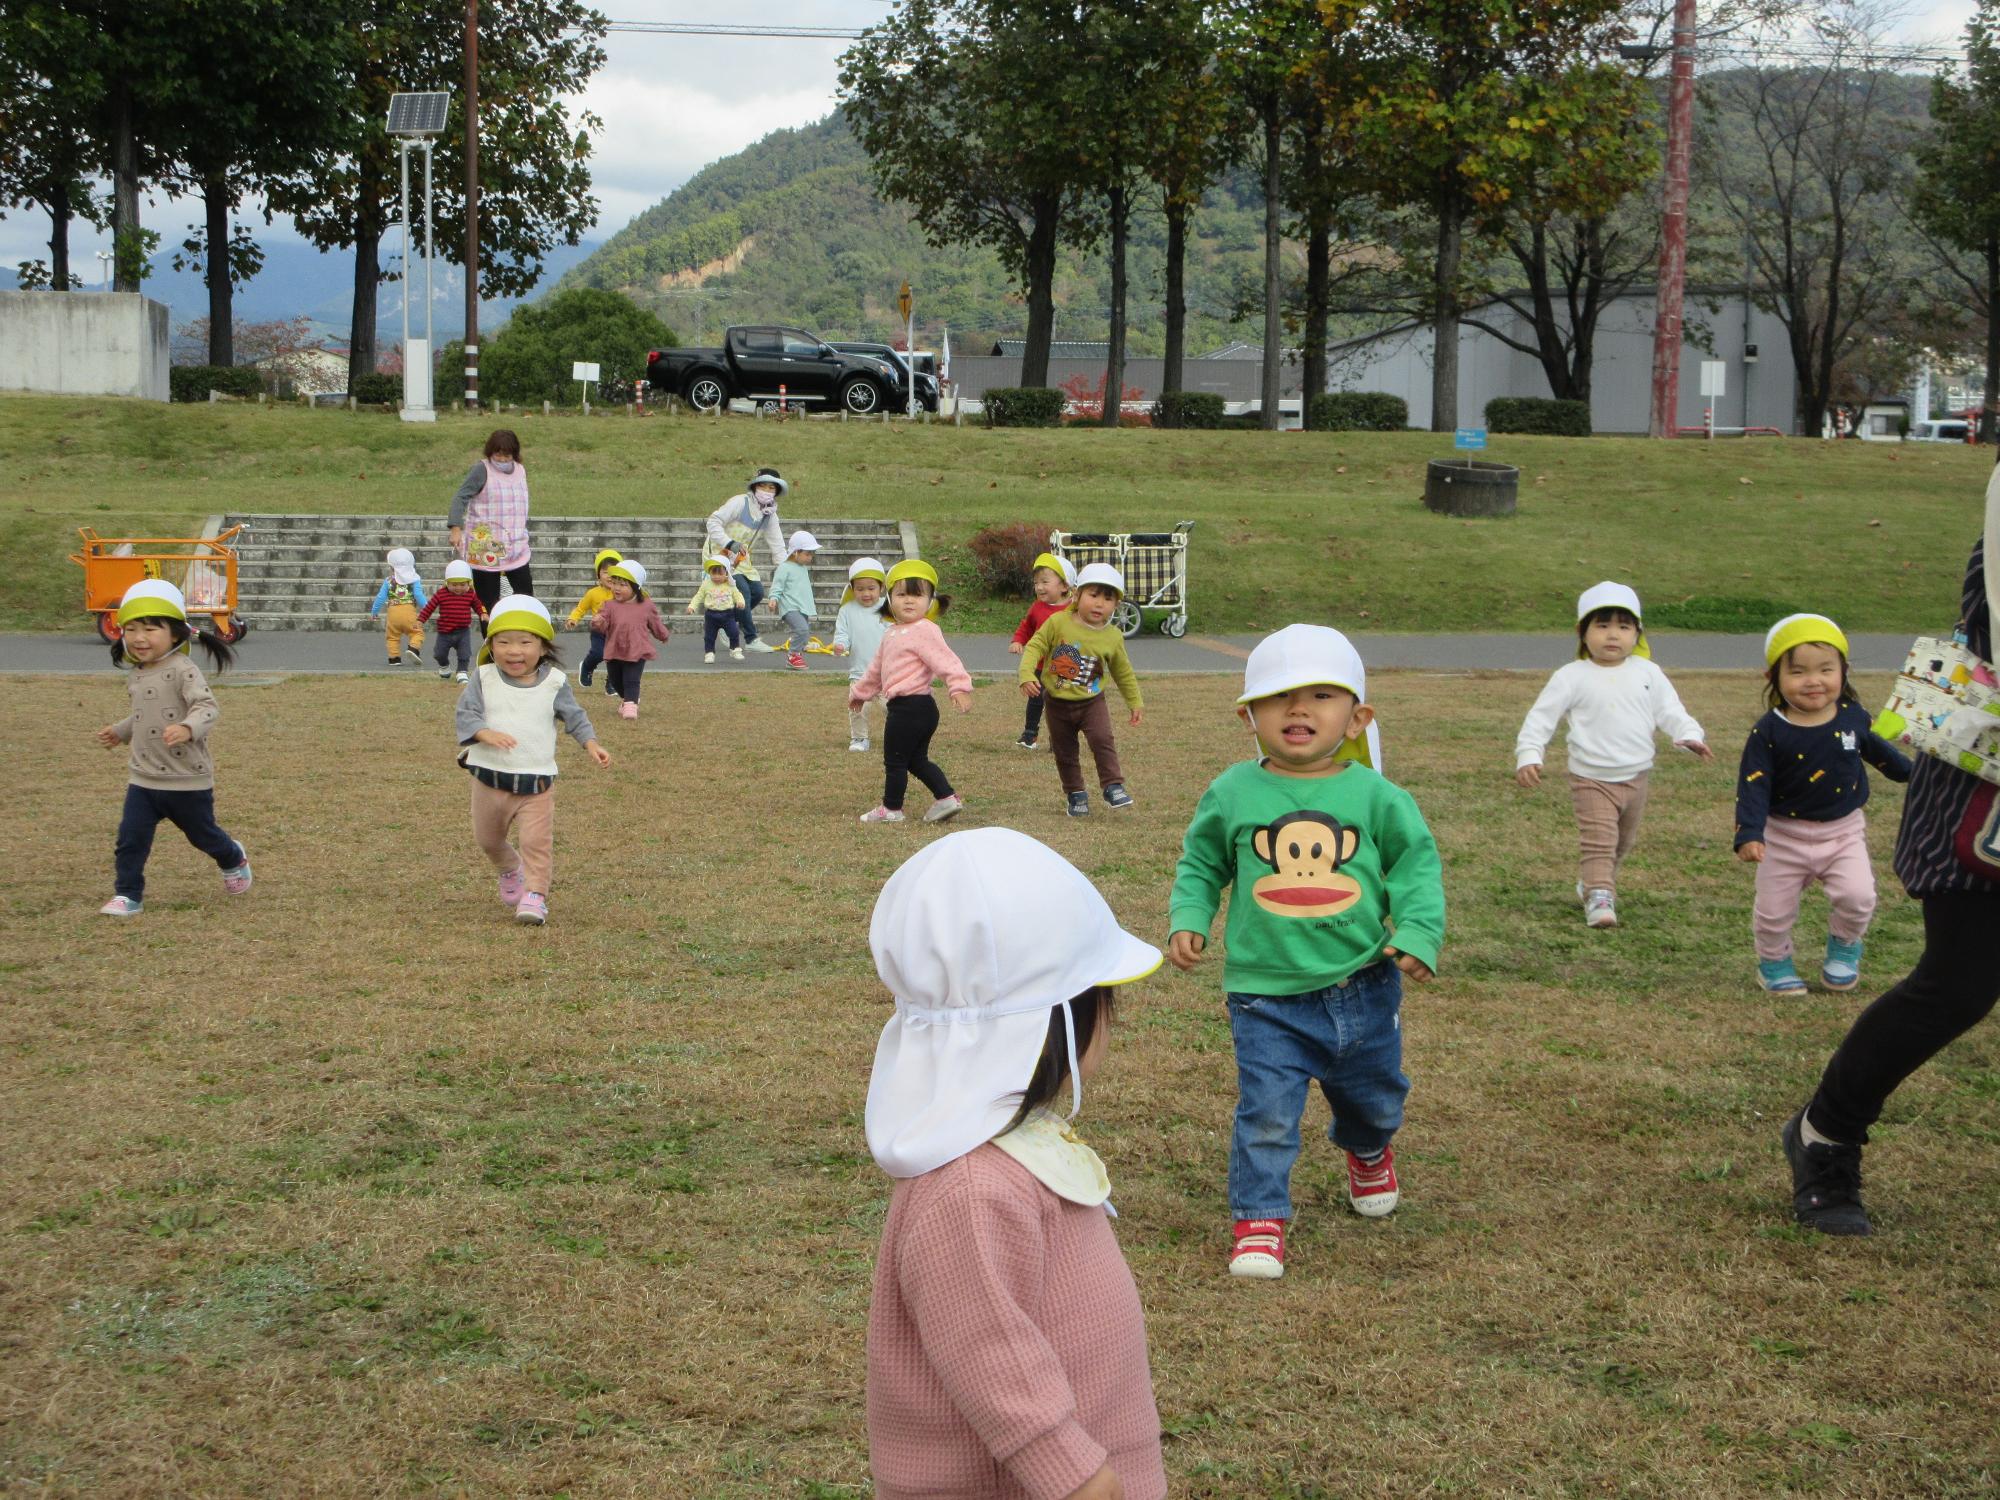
1006 1345
627 619
911 655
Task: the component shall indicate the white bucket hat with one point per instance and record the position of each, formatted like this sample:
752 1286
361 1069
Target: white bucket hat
978 936
402 564
869 565
802 541
1302 656
457 568
1102 574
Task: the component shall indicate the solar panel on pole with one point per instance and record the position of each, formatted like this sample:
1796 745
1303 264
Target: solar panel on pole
418 114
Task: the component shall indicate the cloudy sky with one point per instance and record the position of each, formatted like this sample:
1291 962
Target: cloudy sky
672 104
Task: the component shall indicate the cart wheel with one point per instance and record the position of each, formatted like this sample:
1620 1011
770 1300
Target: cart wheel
107 627
232 629
1174 625
1127 618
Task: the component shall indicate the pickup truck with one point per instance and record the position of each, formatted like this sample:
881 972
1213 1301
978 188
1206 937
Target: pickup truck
927 386
766 364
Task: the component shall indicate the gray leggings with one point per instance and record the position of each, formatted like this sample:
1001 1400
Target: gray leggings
800 627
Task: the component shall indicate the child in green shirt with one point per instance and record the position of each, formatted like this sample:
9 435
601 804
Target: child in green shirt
792 596
1338 894
1065 664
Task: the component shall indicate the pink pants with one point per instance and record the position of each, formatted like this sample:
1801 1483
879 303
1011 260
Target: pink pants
1796 853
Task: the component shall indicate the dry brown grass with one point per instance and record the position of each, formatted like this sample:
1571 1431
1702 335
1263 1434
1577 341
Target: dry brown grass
351 1187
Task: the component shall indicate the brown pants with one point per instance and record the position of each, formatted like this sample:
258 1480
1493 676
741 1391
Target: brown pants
1091 717
1607 826
402 621
533 820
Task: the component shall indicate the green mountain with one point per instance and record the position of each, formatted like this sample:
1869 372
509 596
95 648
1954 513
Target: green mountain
790 230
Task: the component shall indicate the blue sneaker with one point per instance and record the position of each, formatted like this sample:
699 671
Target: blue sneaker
1079 804
1842 969
1115 796
1778 977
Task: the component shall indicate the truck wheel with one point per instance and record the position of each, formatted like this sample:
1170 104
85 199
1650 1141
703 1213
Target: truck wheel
860 396
705 393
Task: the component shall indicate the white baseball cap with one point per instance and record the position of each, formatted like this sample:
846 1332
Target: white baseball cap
978 936
1607 595
402 564
1102 574
458 567
802 541
1304 656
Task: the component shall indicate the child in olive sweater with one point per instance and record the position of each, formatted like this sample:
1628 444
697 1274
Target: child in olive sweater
1065 664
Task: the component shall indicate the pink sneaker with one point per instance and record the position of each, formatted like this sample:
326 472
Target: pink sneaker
534 909
120 906
512 887
628 710
1372 1189
236 881
882 815
796 662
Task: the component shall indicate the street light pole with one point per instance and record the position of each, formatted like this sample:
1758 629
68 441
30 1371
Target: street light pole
1673 229
471 205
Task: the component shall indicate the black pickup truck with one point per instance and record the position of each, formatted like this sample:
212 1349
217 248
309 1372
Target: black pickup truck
769 364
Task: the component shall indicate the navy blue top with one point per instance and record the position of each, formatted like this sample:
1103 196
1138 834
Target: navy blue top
1814 775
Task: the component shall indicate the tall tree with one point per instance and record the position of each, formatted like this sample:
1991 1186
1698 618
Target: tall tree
969 113
534 173
1956 202
46 156
1191 142
1473 93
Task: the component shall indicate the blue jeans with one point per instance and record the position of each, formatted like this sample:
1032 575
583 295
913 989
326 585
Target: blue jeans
1350 1039
753 595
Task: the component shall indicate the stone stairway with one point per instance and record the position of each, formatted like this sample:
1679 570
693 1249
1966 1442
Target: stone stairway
321 572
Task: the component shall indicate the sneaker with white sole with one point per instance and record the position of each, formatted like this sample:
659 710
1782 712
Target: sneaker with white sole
444 674
534 909
795 661
944 807
857 744
763 646
121 906
1257 1249
236 879
1600 909
1027 741
708 658
1372 1189
1777 976
628 710
1842 968
883 815
460 677
1115 796
1079 804
513 886
736 653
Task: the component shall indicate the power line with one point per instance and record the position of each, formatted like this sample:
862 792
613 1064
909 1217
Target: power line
689 28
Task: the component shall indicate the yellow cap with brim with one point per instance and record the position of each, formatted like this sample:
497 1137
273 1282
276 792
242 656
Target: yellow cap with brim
862 567
606 556
1802 630
915 567
631 572
516 612
1062 567
153 599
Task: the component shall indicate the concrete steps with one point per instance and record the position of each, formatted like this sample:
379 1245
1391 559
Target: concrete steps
320 572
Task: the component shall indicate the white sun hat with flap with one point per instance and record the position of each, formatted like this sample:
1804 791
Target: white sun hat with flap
1307 656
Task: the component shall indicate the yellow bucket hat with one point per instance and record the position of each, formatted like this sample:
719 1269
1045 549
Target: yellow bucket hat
1062 567
1801 630
915 567
606 556
154 599
863 567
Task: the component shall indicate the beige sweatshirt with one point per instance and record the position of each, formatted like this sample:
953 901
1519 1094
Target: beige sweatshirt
169 692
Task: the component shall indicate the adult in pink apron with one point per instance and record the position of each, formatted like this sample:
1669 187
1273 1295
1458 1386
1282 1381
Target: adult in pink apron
489 520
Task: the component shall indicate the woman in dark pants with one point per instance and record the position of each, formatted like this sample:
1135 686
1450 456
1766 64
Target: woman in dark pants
1954 984
489 520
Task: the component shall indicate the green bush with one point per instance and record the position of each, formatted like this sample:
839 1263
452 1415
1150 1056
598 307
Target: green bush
1024 406
194 382
1538 415
1188 409
1357 411
529 359
377 389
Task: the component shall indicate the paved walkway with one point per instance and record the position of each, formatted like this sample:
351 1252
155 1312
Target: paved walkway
361 651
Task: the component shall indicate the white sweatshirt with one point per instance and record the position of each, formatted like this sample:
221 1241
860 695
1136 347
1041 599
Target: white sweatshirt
1613 712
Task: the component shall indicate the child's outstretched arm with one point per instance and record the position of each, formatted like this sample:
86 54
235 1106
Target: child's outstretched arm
1203 871
381 598
1413 876
655 625
1682 727
469 718
1753 798
577 722
430 604
1123 673
943 662
1538 727
1884 756
417 593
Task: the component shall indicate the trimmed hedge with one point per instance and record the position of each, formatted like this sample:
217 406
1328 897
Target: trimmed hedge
1024 406
1357 411
377 389
1538 415
1188 409
194 382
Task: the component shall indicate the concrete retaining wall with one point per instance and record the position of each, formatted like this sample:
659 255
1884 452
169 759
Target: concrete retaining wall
84 344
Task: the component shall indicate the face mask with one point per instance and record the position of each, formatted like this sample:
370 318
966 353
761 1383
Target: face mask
504 465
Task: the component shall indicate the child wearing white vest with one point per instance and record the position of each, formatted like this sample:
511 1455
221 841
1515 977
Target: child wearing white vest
507 727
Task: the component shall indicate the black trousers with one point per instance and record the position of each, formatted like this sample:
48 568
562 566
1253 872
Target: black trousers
486 584
752 591
450 642
193 813
907 727
594 657
622 677
1952 989
721 622
1032 727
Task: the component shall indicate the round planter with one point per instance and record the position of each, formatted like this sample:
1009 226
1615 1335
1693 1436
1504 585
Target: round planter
1471 487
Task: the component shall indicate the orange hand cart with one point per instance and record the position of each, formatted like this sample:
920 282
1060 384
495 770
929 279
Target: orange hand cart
203 568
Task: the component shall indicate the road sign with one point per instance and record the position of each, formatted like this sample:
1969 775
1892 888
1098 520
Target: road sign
1469 438
578 370
903 302
1714 378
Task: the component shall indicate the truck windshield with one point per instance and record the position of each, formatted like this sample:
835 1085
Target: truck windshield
801 345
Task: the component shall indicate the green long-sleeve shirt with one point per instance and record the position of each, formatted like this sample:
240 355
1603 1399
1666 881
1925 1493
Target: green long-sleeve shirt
1072 660
1328 870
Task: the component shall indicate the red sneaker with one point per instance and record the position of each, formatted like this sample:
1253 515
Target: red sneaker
1372 1188
1259 1249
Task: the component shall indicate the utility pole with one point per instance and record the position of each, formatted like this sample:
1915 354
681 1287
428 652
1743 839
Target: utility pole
1673 229
472 205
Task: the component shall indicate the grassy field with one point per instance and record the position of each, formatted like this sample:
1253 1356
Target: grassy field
1715 535
350 1187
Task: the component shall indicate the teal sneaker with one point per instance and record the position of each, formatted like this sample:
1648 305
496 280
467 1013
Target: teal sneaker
1842 969
1778 977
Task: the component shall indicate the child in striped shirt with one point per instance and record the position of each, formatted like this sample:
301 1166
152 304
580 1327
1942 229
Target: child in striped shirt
454 605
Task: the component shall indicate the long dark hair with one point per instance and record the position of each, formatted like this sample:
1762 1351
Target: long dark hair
1092 1009
220 656
1774 699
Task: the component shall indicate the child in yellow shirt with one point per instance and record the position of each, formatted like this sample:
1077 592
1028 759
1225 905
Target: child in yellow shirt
587 607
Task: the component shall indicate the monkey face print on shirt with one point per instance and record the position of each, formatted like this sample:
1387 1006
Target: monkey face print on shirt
1072 667
1305 851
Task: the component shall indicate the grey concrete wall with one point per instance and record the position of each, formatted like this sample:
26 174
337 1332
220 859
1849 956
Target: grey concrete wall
973 375
84 344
